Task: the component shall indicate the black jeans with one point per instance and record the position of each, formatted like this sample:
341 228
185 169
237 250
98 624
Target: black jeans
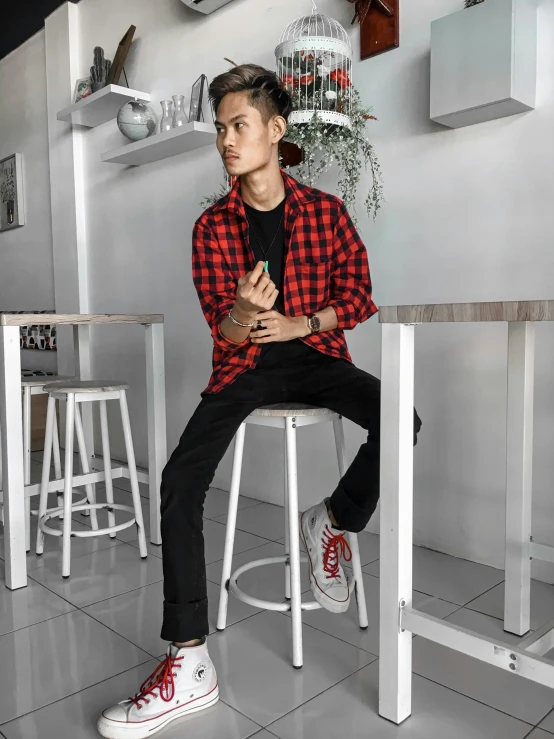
312 378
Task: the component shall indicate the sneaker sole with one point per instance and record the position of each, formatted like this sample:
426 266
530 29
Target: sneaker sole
118 730
334 606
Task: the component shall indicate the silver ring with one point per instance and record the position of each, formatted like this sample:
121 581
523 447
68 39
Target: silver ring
259 326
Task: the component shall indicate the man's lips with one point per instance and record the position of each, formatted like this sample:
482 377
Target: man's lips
230 156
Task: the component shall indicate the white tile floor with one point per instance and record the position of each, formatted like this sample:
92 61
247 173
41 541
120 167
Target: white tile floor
69 648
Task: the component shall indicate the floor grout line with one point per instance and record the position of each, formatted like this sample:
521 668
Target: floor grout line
466 605
77 692
331 636
355 672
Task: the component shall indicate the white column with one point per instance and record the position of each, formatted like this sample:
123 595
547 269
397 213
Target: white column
11 434
67 195
519 471
397 430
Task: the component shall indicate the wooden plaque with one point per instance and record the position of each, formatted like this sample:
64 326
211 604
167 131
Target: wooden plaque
380 32
120 56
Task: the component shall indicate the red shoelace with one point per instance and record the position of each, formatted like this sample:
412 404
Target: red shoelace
334 547
161 680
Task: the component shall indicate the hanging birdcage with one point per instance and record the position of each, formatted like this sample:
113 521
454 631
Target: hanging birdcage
314 61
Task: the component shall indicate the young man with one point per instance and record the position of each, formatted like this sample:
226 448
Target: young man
278 336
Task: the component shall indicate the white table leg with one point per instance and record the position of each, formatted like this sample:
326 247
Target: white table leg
81 349
519 469
11 431
396 484
157 440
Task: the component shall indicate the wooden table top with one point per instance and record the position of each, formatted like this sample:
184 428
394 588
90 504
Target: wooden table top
531 310
49 319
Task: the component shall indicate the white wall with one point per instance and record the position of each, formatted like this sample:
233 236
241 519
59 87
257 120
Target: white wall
468 217
26 267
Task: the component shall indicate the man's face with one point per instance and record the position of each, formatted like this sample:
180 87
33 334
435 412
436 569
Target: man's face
244 141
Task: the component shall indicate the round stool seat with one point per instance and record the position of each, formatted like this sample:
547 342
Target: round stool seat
86 386
287 410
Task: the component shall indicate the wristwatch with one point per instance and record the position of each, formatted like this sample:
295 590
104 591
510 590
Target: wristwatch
314 323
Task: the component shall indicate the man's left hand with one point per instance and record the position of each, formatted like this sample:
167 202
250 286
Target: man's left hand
278 327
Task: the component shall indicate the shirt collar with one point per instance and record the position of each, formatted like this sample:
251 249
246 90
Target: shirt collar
296 195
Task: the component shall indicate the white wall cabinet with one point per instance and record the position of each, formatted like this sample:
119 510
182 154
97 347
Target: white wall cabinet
484 62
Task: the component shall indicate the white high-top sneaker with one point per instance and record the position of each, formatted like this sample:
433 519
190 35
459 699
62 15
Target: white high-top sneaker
324 546
184 682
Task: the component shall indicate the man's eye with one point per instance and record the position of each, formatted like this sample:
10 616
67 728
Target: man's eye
240 124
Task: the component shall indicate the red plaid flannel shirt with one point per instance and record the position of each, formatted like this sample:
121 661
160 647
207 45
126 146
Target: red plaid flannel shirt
326 264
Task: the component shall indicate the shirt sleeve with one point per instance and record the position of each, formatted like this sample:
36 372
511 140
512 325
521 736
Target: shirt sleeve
214 282
350 279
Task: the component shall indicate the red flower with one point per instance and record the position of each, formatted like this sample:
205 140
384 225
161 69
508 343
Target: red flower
290 80
341 78
306 79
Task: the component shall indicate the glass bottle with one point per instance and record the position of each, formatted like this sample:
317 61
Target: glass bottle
166 123
179 115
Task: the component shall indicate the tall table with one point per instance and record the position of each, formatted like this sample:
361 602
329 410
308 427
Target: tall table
398 619
13 489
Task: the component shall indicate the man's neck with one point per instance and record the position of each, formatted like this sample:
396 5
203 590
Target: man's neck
263 189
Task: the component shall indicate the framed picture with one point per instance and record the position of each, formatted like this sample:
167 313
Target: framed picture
197 96
120 56
83 89
12 213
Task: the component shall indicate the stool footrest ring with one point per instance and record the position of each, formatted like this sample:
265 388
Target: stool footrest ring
54 512
269 605
34 512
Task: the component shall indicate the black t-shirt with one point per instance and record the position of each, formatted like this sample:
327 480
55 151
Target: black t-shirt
264 226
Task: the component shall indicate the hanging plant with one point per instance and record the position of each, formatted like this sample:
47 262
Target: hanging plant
324 144
471 3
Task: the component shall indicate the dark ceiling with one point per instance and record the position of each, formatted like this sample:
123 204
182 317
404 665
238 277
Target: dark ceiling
20 20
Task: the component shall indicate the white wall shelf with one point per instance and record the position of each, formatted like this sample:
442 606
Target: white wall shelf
193 135
101 106
484 62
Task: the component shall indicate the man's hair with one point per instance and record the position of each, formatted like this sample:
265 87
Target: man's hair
266 92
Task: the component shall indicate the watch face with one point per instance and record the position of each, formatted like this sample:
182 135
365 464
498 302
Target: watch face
315 323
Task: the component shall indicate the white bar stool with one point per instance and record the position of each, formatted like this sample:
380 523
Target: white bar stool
33 386
76 392
286 416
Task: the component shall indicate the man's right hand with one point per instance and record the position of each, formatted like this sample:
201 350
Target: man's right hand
255 292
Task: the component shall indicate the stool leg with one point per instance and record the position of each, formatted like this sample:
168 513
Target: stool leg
132 472
287 538
47 455
91 497
106 452
57 460
294 541
68 485
27 461
230 527
352 538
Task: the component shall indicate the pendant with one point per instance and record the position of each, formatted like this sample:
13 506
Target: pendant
266 266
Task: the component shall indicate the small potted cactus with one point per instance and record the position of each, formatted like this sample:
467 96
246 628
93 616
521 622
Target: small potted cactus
99 70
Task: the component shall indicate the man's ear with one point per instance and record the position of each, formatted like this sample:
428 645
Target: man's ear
279 126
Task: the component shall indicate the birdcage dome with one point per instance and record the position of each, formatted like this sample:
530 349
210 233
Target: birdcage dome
314 61
326 30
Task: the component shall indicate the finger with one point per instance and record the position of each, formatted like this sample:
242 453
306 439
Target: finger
256 273
271 336
268 291
267 314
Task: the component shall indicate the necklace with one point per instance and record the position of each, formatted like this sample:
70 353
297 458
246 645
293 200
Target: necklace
266 252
